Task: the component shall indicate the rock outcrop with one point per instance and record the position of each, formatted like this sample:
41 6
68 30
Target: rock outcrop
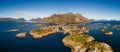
108 32
39 33
117 27
101 29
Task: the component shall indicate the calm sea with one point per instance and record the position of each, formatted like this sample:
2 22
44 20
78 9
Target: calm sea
9 43
51 43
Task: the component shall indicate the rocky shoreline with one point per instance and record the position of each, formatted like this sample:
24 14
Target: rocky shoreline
80 42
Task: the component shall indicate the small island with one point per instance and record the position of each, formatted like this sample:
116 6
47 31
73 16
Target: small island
108 32
101 29
117 27
21 35
12 30
39 33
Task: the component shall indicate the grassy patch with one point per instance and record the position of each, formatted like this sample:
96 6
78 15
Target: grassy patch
80 39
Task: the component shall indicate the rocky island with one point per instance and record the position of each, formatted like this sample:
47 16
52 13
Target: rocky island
117 27
12 30
102 29
85 43
108 32
21 35
39 33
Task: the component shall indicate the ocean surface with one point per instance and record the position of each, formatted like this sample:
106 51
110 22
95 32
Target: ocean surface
51 43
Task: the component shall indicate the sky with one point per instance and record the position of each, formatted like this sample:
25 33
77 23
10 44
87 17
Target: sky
92 9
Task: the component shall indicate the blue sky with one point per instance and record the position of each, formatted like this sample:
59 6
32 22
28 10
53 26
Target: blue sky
96 9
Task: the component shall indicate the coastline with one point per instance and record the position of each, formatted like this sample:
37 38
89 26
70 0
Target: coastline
72 49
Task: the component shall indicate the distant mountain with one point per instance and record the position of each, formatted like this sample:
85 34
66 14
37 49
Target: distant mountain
92 20
107 20
36 19
11 19
20 19
68 18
